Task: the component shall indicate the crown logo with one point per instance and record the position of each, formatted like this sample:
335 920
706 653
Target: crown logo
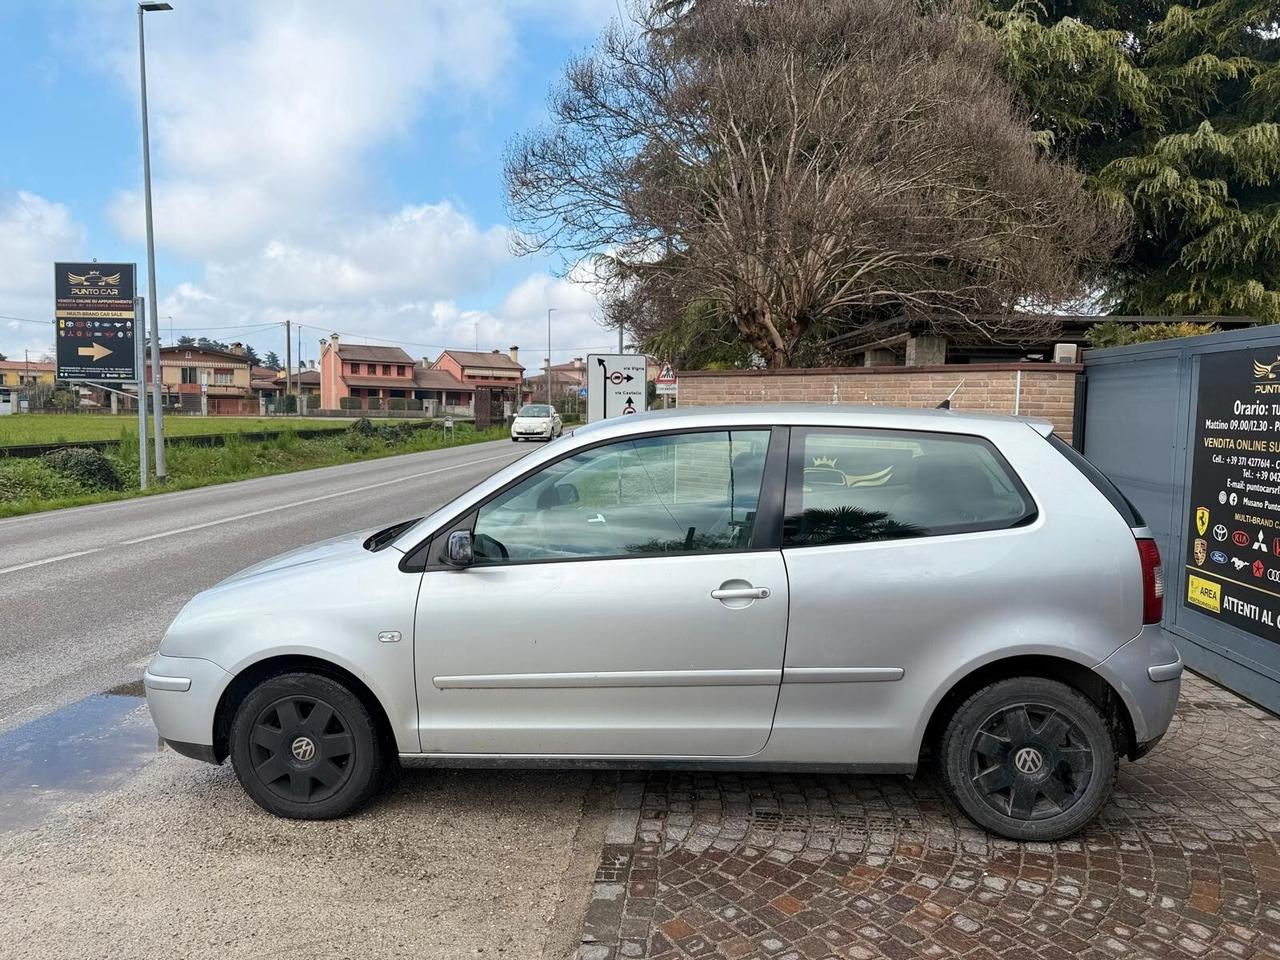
824 461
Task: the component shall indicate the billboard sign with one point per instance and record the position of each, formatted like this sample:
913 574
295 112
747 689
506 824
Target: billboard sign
94 322
1233 539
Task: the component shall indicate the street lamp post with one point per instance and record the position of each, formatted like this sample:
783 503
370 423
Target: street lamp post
550 311
145 7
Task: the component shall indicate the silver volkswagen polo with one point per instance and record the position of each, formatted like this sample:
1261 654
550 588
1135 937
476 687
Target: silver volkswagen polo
830 588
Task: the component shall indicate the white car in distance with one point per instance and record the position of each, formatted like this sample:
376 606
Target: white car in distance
536 421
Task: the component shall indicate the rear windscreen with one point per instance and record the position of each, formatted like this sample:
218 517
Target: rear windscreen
1099 480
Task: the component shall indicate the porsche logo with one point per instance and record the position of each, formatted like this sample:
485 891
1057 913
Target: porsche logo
1201 552
1202 520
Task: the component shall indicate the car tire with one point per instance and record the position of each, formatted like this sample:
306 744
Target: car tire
305 747
1029 759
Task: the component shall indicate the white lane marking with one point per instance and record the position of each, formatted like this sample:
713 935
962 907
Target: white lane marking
37 563
303 503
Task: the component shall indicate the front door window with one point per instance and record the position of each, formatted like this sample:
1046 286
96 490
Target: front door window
683 493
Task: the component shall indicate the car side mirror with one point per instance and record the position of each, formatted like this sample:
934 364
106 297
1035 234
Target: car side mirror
566 493
457 551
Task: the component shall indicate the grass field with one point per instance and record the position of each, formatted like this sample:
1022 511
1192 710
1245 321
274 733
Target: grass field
31 484
23 428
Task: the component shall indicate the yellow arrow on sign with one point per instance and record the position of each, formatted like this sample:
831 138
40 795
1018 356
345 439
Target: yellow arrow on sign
97 351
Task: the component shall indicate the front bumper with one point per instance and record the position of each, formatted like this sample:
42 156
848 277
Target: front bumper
1147 673
182 695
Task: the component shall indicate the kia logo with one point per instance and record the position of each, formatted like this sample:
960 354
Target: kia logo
1240 538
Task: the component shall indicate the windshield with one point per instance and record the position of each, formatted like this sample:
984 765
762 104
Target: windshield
535 410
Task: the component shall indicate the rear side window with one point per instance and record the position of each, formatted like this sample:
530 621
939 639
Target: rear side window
858 486
1099 480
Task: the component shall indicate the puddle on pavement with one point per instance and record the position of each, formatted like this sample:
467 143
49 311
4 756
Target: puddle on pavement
85 747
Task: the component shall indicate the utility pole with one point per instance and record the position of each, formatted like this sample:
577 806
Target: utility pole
550 311
140 364
151 6
288 362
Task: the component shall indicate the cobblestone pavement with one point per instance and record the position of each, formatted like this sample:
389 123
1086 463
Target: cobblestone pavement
1183 862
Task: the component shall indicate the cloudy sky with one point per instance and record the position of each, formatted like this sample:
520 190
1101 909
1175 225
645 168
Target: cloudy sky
334 163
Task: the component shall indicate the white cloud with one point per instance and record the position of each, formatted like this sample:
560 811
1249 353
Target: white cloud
265 119
429 250
264 113
34 232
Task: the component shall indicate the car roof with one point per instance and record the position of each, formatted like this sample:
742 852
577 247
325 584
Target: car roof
811 414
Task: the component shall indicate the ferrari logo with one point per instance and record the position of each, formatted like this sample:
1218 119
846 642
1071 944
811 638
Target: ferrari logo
1202 520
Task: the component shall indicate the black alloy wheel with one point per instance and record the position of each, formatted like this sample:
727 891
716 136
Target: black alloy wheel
301 749
1030 762
304 746
1028 758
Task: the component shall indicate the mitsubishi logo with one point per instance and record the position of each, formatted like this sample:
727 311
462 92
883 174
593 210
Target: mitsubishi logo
1028 760
304 749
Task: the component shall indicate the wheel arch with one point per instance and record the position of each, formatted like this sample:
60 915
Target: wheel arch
1075 675
261 670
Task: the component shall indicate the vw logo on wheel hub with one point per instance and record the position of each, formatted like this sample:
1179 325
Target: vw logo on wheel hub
1028 760
303 748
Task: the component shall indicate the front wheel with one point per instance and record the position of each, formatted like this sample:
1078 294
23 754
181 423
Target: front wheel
1029 759
305 747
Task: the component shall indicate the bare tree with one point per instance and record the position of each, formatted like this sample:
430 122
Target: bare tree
805 166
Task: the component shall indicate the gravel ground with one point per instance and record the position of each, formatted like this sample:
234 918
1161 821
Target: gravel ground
178 862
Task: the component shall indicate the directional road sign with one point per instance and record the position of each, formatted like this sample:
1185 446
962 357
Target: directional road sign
94 322
615 385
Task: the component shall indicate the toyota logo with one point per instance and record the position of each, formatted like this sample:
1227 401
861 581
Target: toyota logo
304 749
1028 760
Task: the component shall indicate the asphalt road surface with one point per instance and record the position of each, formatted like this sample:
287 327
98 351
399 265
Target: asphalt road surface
112 845
88 592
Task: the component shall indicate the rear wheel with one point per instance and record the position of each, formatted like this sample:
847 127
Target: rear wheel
305 747
1029 759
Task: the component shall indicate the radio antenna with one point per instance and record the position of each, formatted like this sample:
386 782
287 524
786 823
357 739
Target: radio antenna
946 404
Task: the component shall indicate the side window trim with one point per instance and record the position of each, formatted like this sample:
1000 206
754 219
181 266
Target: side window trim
795 483
425 556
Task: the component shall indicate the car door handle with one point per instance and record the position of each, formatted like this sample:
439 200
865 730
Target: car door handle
596 519
740 593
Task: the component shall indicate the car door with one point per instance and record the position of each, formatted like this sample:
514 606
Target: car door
899 547
629 599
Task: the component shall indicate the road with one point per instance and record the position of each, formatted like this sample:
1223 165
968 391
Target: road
112 845
87 592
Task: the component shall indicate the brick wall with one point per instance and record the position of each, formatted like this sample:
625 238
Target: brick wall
1047 391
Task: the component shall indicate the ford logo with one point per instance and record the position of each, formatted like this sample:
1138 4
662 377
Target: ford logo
1218 556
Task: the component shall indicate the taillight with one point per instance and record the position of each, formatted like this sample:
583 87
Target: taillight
1152 582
